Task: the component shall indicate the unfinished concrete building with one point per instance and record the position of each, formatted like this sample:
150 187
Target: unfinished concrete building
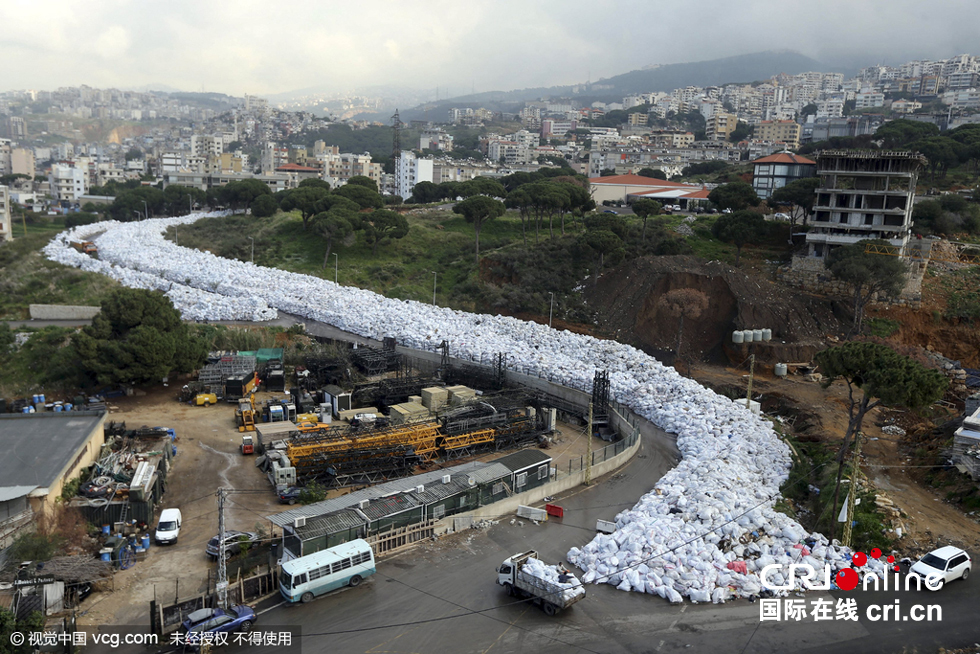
863 195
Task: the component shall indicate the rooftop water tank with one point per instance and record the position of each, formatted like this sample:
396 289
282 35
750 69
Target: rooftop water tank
780 370
738 337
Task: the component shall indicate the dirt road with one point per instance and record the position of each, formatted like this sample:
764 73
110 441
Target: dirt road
930 518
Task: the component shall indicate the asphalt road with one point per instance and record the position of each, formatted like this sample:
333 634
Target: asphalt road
441 597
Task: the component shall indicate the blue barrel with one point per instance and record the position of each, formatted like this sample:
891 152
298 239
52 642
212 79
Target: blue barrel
35 399
105 529
41 398
174 451
26 409
106 556
57 408
146 541
67 406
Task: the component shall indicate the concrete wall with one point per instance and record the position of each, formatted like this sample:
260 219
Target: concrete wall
62 312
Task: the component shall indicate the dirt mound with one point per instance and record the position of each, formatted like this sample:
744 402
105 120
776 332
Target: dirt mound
625 300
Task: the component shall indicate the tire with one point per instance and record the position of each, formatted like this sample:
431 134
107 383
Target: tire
355 581
247 625
207 402
292 501
966 574
510 589
939 586
306 598
549 608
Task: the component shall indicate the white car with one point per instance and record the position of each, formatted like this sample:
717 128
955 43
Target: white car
168 529
781 216
942 565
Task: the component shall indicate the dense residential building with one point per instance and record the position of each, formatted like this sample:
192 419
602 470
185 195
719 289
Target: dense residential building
720 126
435 139
5 163
787 131
863 195
409 171
778 170
6 231
67 182
341 167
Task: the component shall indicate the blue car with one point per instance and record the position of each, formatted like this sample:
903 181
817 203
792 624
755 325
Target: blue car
237 618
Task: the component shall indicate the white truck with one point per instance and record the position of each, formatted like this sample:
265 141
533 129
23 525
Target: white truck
525 576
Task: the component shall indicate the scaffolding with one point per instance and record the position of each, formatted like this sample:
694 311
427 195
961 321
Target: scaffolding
212 376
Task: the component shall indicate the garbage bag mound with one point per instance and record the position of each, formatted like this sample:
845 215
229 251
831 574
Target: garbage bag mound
714 508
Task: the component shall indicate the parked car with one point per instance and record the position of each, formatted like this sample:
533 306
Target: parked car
168 529
781 216
945 564
726 210
233 541
237 618
611 211
290 495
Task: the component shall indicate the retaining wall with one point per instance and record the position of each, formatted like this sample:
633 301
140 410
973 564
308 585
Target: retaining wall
62 312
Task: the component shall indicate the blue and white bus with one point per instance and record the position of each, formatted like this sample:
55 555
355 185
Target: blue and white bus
348 564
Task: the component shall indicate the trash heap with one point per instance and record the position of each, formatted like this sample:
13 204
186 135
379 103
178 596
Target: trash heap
712 510
549 575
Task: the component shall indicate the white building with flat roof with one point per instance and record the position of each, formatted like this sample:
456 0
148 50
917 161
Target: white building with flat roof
409 171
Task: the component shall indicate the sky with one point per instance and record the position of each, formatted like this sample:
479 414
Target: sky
272 47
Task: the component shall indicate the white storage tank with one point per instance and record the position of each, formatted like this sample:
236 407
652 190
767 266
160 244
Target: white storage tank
738 337
757 335
767 334
780 370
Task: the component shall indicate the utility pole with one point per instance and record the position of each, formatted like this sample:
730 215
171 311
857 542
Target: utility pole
748 395
335 260
222 585
551 310
435 276
252 239
845 538
588 456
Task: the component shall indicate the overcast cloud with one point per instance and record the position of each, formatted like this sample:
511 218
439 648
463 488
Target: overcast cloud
268 47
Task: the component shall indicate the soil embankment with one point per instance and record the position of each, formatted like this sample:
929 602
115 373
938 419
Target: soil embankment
625 301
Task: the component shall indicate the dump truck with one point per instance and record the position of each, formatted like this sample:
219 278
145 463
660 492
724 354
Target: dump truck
551 587
85 247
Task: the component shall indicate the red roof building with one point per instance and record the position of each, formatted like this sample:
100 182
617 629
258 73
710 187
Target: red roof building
778 170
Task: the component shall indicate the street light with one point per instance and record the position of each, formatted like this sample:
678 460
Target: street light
551 310
435 276
335 260
253 248
146 211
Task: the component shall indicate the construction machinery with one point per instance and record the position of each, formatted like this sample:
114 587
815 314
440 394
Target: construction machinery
248 444
86 247
245 414
239 386
205 399
341 455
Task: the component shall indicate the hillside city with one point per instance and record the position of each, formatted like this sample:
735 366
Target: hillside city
685 370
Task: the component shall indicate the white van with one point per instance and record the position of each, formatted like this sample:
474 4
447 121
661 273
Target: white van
168 528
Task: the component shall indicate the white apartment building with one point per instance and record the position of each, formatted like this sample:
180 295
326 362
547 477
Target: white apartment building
205 146
867 99
6 232
5 156
67 182
510 153
409 171
22 161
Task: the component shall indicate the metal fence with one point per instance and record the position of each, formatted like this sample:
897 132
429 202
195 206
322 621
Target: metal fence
607 452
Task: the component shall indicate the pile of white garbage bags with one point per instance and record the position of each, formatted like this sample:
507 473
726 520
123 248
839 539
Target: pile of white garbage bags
549 574
713 509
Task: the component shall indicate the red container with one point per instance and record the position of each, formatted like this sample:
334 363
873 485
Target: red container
554 510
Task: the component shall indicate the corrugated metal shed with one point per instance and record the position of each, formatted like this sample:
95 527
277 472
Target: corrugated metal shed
440 491
521 461
386 506
330 524
490 473
332 505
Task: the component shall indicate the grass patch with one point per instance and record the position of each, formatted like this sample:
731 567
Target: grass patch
882 327
27 277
